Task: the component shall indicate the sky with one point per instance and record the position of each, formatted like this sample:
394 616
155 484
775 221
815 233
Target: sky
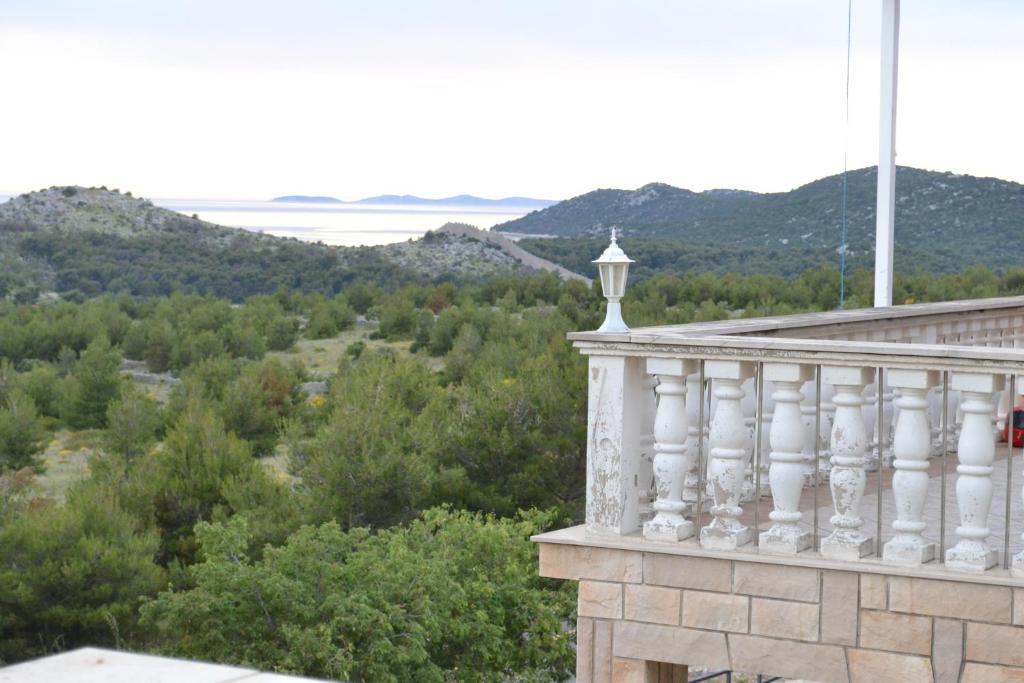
544 98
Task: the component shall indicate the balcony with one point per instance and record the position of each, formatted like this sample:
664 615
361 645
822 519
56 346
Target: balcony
822 496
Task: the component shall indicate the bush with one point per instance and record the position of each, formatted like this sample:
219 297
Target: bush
453 596
73 575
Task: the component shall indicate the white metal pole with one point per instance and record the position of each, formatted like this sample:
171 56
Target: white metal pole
886 206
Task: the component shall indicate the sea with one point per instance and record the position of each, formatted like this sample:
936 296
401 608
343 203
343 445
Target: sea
346 225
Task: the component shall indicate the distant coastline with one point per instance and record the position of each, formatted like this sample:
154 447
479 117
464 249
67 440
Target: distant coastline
411 200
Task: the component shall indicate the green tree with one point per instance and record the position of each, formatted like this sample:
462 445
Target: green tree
42 385
73 574
256 402
93 384
364 466
160 341
133 422
21 432
452 596
200 472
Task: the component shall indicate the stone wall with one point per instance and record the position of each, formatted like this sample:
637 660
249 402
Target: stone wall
641 611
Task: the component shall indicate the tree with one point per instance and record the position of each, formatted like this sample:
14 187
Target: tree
73 574
328 317
93 384
132 423
160 341
256 402
452 596
21 432
364 467
200 472
42 385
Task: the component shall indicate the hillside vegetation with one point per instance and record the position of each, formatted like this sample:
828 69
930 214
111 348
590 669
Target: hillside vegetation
81 242
944 222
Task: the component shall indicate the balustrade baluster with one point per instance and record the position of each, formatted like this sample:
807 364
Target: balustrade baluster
869 412
645 469
694 396
672 459
786 472
729 456
749 407
911 447
847 479
814 472
976 452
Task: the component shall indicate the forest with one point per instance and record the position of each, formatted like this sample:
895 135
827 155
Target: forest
375 531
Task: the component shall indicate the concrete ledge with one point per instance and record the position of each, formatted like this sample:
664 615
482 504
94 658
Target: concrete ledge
577 536
96 665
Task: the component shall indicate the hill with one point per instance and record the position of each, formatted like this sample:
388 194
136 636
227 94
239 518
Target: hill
941 209
84 241
945 223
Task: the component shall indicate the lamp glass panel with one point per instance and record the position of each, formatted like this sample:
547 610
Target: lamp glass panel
606 276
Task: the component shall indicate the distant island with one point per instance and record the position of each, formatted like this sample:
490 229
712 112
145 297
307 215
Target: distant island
304 199
410 200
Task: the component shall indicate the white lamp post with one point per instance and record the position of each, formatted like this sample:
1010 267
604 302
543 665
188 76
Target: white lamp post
613 266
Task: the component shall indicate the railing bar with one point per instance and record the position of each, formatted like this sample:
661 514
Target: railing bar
945 450
1009 469
758 416
817 439
880 406
700 451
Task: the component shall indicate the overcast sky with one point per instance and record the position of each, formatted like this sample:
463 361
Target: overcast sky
544 98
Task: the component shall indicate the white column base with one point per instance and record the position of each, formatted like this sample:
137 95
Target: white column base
668 530
908 553
717 538
849 547
1017 566
784 541
971 557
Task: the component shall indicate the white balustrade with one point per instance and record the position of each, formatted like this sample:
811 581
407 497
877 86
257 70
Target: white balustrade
911 448
976 452
767 416
728 456
847 479
645 431
786 473
749 406
645 469
885 434
869 412
808 410
672 459
694 397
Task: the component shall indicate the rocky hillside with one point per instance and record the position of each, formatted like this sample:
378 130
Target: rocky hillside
472 245
92 209
945 209
83 241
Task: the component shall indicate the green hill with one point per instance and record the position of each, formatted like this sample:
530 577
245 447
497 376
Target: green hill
930 207
78 241
944 222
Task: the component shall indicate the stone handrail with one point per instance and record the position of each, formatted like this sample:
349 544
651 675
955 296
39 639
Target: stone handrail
684 416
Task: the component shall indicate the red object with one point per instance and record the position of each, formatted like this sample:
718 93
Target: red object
1018 428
